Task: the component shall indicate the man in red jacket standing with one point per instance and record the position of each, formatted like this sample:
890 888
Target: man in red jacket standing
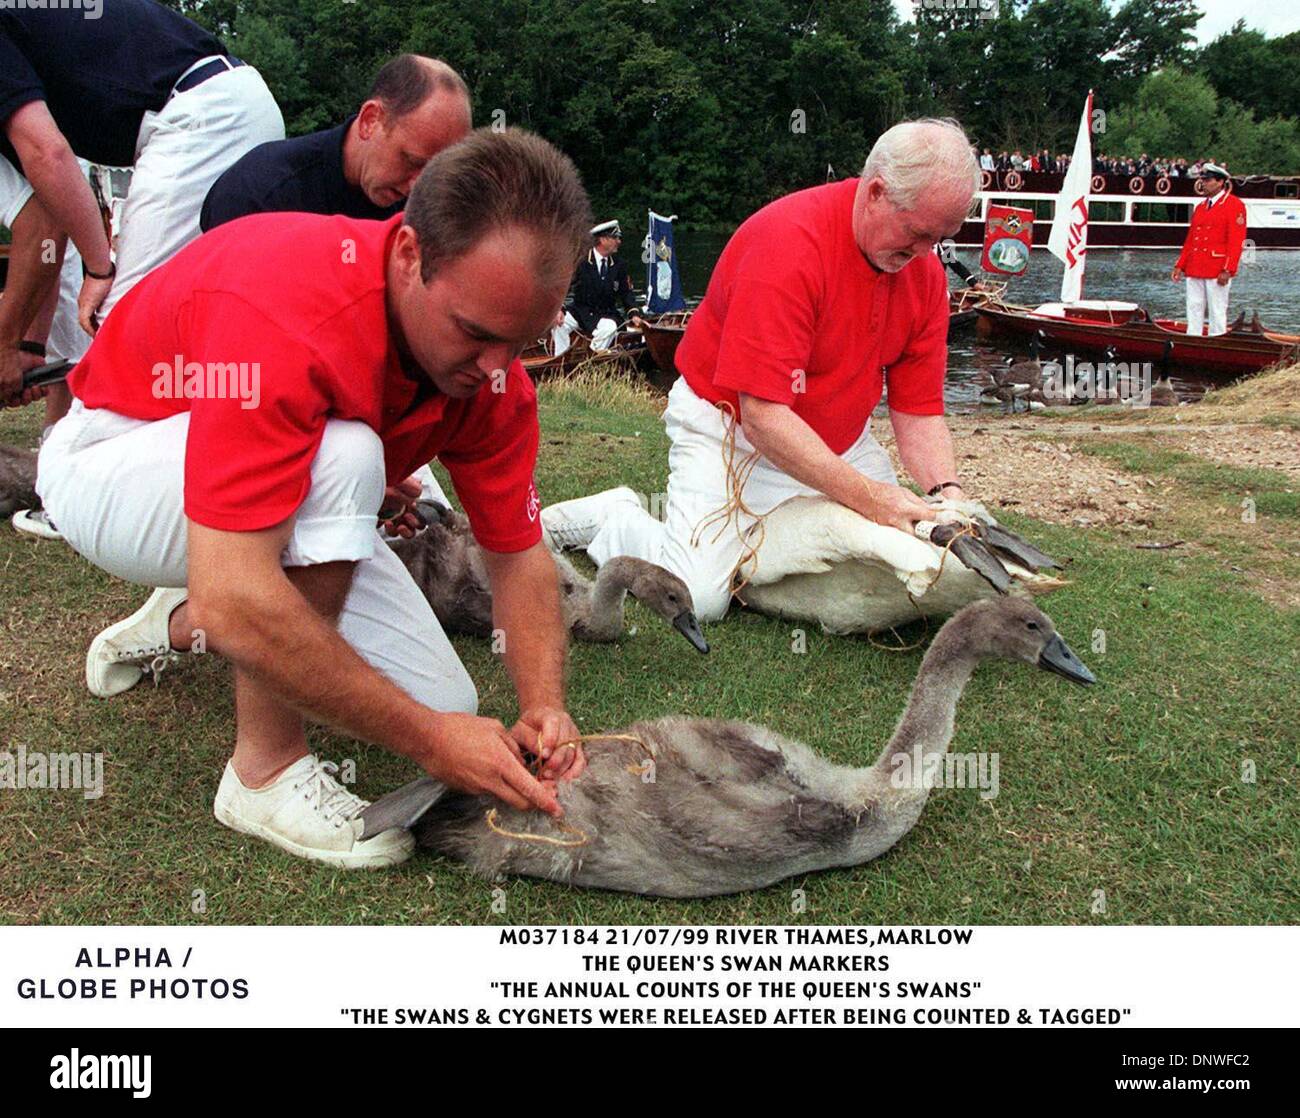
1212 251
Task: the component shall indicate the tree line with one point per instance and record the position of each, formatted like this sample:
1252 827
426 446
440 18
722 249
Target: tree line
709 108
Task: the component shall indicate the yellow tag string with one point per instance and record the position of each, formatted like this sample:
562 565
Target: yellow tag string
579 836
737 477
967 530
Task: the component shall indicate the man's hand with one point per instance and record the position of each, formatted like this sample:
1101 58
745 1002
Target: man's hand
92 296
396 515
894 506
543 732
476 755
1176 275
13 363
1224 278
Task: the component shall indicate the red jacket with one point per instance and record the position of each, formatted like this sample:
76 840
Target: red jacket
1214 238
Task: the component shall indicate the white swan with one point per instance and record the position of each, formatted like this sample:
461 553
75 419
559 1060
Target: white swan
817 560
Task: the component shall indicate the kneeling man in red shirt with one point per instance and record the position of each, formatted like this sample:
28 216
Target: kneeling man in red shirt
821 302
240 419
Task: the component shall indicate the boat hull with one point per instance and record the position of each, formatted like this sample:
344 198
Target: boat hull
1222 357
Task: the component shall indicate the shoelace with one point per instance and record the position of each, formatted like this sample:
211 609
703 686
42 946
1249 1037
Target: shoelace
160 663
570 535
335 803
152 661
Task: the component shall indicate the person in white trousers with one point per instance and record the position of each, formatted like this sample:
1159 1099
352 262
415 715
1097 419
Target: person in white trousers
1211 253
817 301
252 506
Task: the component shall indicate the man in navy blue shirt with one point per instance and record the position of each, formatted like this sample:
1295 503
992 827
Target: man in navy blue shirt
364 167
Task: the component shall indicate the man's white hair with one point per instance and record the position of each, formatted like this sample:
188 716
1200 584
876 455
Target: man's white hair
919 156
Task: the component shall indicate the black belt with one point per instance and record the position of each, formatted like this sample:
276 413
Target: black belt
206 71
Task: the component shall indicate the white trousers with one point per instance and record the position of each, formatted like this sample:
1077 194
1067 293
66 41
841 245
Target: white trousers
179 153
602 338
697 488
115 487
1207 295
66 337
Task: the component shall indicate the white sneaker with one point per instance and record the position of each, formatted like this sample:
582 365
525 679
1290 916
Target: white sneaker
36 522
574 524
309 813
121 655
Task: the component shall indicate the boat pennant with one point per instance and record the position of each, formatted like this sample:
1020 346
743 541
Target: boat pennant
663 281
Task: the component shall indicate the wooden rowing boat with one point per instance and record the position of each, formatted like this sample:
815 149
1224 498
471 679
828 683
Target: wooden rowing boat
1134 335
662 336
540 359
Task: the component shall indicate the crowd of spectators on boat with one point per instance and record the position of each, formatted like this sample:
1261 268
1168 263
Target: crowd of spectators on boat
1147 166
1144 165
1017 161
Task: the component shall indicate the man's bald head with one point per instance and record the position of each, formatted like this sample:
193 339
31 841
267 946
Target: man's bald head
407 81
416 107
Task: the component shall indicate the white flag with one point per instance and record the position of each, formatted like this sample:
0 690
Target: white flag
1069 237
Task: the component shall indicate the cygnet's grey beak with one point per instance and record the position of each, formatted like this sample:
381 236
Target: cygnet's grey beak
686 624
1057 657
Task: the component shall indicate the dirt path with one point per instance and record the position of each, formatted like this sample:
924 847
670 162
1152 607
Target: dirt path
1036 464
1249 445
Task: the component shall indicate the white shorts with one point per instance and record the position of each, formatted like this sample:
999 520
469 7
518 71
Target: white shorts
115 487
697 488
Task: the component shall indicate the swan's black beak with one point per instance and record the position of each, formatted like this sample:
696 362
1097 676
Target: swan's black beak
686 624
1057 657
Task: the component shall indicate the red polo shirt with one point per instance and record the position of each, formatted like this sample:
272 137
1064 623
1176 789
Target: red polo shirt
794 313
268 326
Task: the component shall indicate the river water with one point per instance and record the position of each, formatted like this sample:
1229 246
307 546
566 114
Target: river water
1269 284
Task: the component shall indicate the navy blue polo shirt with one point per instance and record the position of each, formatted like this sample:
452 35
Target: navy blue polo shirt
304 174
97 76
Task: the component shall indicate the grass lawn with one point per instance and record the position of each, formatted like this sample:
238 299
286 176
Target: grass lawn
1121 804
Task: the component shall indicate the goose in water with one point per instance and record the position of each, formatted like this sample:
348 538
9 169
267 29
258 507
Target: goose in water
817 560
703 807
1016 380
447 565
17 480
